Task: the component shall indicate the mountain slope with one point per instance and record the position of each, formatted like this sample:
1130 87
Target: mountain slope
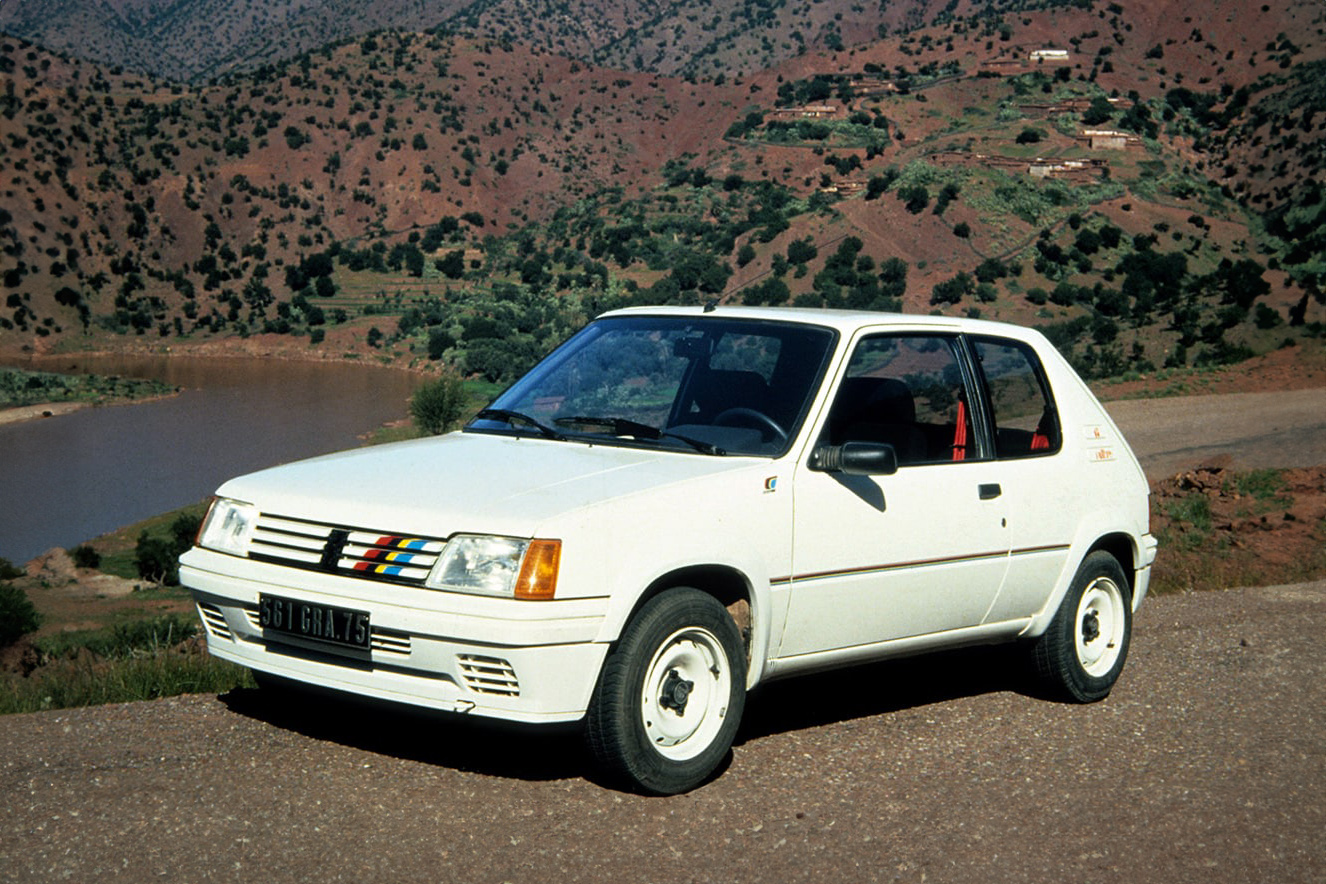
194 40
430 196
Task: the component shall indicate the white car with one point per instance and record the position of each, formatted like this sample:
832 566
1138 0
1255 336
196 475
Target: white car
680 504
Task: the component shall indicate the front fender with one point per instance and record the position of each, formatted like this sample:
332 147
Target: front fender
738 523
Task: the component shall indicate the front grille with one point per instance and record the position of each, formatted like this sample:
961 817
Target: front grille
394 558
215 621
488 675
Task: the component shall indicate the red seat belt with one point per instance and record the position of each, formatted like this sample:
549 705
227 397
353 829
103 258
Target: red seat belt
960 432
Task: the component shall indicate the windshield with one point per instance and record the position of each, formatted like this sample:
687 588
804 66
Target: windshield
719 386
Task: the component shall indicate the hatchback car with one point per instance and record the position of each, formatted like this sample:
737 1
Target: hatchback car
680 504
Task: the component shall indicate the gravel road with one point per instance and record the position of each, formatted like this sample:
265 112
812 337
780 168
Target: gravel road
1252 430
1207 764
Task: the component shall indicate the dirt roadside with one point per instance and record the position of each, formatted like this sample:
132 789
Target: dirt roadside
1205 764
1285 428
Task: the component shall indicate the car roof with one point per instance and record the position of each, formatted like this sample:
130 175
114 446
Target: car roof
845 321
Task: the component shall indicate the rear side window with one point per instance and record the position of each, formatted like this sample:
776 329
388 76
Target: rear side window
1026 423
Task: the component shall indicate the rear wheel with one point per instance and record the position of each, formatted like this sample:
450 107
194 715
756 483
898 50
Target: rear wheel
1082 653
671 694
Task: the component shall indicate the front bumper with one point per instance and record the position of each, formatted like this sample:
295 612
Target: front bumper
521 661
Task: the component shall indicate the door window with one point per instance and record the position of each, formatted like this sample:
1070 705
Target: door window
907 391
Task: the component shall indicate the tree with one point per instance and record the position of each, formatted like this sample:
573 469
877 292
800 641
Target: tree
437 404
951 291
915 198
158 558
452 264
18 616
1099 112
439 342
85 556
876 186
801 251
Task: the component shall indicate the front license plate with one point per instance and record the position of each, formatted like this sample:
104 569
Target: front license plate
324 623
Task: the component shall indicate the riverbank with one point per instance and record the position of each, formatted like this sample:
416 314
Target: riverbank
28 394
20 413
33 412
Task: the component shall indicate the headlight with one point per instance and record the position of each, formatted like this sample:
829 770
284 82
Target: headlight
509 567
228 526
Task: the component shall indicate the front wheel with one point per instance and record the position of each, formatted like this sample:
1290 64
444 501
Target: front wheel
1082 653
670 696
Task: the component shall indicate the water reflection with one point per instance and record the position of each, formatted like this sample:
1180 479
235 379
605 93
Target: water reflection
69 478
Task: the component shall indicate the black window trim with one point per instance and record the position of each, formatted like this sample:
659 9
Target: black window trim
973 386
1038 370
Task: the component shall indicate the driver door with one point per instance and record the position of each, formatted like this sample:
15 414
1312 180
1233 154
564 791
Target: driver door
921 551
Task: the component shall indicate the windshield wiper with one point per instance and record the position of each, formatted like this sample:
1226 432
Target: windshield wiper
698 444
617 426
516 417
621 426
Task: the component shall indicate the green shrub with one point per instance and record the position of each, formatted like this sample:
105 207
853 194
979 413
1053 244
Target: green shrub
158 558
18 617
437 404
85 556
124 639
85 682
8 571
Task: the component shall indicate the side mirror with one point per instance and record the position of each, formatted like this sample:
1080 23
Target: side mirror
856 458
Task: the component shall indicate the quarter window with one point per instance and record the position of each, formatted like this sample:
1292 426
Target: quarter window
1026 423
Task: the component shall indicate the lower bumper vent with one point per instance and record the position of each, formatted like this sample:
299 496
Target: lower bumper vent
488 675
215 621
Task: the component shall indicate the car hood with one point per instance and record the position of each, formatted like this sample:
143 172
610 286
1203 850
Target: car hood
470 482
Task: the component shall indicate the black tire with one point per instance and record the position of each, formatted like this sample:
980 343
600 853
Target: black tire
1080 656
670 696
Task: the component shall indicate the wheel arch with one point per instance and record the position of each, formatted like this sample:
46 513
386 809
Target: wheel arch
1122 545
1124 550
735 591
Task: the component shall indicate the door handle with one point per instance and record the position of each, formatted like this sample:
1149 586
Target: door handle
990 491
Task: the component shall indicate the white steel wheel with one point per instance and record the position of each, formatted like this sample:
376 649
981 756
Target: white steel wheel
1081 654
670 695
686 691
1101 620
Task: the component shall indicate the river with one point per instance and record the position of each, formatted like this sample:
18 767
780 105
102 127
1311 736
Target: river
67 479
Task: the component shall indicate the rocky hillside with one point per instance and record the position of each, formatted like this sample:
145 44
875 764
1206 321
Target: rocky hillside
1139 183
195 40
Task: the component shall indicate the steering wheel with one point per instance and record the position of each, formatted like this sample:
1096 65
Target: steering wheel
751 416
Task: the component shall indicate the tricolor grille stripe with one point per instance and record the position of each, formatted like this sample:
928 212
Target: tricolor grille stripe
398 558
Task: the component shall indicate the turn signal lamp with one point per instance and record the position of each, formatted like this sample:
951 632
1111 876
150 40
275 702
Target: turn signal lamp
538 571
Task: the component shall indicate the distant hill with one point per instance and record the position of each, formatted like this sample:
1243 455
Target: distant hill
1143 186
196 40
